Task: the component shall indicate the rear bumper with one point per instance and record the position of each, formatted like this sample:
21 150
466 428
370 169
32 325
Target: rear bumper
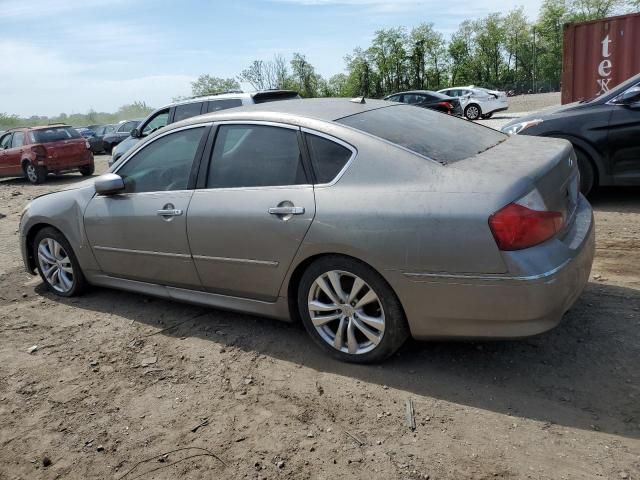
549 279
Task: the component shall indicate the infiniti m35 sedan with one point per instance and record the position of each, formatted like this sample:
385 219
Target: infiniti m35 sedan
368 221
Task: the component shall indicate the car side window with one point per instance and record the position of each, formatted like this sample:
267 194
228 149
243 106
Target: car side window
394 98
5 141
187 110
164 164
255 156
18 139
328 158
127 127
156 123
217 105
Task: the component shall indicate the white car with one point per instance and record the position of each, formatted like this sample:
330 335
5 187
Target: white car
478 102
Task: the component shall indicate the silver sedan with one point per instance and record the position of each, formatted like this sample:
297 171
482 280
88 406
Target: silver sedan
368 221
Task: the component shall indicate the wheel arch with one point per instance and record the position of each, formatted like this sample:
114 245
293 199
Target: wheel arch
601 175
293 280
29 239
473 104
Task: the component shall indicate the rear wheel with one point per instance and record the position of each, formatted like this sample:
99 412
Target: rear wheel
473 111
34 173
351 311
588 181
57 264
87 170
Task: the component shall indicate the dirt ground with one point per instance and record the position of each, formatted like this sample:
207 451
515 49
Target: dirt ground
121 378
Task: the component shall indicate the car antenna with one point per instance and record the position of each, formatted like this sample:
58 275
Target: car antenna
358 100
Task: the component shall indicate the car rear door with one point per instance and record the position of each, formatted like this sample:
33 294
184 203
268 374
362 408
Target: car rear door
140 234
255 207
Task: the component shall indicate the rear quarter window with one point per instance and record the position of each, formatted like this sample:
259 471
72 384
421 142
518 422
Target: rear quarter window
434 135
328 158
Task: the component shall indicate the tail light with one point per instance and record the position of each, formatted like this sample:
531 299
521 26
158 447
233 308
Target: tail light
525 223
446 105
39 150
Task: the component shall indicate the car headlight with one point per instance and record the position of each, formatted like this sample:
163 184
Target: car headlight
521 126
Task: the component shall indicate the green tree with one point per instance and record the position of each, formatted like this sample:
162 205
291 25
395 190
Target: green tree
208 85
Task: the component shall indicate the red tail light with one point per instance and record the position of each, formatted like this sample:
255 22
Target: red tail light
446 105
39 150
515 226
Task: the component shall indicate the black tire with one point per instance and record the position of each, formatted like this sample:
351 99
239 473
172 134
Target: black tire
79 283
473 111
34 173
87 170
588 178
396 329
108 148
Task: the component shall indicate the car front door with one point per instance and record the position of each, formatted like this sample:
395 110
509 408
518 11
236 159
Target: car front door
255 206
12 157
140 234
624 145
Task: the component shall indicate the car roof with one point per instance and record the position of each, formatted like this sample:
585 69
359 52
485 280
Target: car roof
41 127
223 96
325 109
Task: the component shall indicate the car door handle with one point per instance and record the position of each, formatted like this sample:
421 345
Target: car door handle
286 210
170 212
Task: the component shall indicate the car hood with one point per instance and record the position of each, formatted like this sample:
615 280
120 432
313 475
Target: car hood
546 113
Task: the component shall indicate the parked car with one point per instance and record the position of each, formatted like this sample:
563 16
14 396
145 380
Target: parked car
85 132
36 151
428 99
478 102
604 131
96 142
196 106
370 222
120 133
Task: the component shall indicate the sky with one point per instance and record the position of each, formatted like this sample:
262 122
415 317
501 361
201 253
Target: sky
71 56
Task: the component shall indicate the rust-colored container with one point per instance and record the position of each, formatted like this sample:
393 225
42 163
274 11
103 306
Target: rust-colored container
598 55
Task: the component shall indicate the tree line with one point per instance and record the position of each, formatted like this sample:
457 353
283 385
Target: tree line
501 50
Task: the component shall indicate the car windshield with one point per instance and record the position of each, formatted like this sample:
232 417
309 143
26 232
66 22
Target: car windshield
435 135
54 134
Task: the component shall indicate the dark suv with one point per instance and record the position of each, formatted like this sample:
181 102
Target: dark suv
36 151
121 132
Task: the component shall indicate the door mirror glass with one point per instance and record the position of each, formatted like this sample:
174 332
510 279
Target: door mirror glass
630 96
109 183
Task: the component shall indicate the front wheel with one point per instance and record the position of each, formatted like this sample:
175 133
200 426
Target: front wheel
57 264
34 173
587 173
472 112
350 311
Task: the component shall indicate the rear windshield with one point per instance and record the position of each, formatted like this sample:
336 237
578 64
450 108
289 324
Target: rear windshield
441 137
54 134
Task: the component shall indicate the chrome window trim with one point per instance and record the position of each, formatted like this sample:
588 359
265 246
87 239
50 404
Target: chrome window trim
354 154
273 187
139 147
257 122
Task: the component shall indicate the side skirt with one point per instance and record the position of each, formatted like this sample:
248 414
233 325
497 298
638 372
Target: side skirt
278 309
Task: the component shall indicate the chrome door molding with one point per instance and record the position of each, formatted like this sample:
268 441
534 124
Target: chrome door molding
142 252
263 263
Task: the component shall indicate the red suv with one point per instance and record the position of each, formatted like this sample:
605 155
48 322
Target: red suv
36 151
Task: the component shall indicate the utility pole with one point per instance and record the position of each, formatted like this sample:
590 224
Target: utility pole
535 62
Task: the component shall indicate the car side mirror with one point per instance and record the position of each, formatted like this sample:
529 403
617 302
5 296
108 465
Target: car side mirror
631 96
135 133
109 183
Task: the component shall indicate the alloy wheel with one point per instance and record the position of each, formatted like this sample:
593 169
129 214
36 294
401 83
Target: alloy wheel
346 312
472 112
55 265
32 174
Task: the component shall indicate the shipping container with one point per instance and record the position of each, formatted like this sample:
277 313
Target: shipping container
598 55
